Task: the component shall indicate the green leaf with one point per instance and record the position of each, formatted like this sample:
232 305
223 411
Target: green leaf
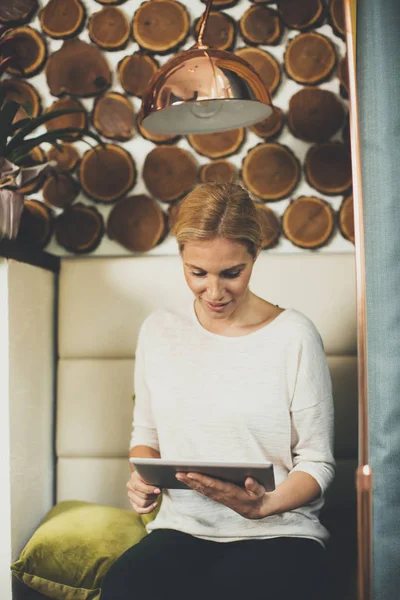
3 94
7 114
19 124
51 136
95 137
28 145
28 107
56 145
21 159
37 121
5 63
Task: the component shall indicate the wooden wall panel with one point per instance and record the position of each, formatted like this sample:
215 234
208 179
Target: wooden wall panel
264 53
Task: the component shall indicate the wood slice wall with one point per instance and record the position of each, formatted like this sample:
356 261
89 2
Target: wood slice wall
123 199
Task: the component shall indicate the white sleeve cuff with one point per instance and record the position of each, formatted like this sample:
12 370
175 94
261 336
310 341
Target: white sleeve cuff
323 473
144 436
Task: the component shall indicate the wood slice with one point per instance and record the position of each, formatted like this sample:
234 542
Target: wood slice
36 225
220 31
80 228
218 4
308 222
109 28
110 2
315 114
17 12
270 226
169 172
265 64
107 173
60 190
336 17
157 138
261 25
271 127
310 58
67 158
303 15
29 50
219 144
343 73
33 186
160 26
22 92
35 157
135 73
328 168
346 218
62 19
270 171
79 69
113 116
78 120
137 223
218 171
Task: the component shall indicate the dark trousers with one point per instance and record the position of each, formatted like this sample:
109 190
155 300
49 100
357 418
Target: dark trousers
171 565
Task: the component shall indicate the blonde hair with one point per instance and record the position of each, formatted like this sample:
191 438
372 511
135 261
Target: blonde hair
218 210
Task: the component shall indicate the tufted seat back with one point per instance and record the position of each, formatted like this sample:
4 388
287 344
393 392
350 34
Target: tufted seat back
102 303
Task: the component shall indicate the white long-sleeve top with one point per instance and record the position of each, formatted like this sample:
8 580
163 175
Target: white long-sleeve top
264 396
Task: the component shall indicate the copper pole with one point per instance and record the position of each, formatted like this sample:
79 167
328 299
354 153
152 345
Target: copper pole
364 472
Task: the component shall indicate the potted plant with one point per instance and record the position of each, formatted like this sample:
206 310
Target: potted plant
15 146
16 143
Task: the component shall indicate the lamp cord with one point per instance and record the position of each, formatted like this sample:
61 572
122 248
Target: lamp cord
204 23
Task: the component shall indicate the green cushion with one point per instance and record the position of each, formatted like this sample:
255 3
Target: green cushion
151 516
72 549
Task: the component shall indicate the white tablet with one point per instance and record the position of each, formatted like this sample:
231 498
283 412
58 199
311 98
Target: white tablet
161 472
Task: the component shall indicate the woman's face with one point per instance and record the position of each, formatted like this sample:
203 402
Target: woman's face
217 272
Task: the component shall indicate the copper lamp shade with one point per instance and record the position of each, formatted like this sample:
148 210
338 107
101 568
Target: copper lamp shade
203 90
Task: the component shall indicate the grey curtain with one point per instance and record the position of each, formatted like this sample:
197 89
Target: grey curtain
378 79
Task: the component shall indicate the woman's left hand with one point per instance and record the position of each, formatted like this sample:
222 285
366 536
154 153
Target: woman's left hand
249 502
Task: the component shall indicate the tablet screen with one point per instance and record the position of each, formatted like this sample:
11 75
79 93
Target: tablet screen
161 473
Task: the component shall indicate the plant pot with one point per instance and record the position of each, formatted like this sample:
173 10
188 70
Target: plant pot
11 205
12 178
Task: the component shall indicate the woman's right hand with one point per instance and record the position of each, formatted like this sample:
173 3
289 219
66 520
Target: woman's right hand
142 496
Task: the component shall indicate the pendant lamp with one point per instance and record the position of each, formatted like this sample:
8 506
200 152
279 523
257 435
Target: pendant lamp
203 90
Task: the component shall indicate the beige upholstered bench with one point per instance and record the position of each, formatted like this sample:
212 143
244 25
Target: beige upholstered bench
102 303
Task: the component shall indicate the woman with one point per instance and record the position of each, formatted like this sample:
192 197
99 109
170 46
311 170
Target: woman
232 378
